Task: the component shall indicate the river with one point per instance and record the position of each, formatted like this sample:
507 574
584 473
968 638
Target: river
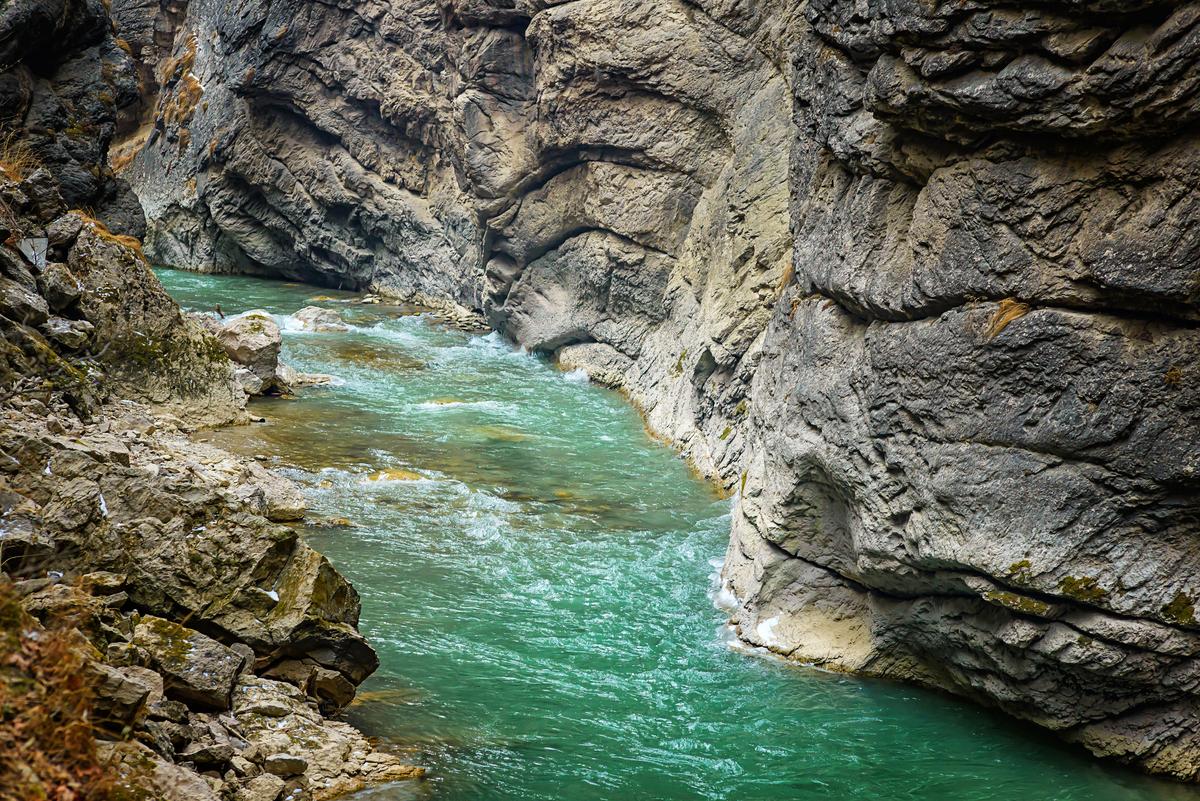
538 577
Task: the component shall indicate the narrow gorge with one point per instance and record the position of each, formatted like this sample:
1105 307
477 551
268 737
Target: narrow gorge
914 284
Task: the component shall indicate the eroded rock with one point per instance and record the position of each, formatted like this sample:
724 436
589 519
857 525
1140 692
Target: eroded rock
197 669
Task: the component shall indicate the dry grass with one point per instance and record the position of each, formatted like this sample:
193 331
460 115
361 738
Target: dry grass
131 242
47 734
17 159
174 68
1008 311
785 278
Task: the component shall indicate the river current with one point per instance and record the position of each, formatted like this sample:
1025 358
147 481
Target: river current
538 576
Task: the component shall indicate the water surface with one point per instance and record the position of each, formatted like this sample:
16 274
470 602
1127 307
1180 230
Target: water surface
536 574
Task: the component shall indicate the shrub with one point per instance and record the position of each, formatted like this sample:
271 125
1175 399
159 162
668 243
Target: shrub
47 735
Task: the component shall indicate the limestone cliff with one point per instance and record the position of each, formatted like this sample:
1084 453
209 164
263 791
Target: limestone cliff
917 281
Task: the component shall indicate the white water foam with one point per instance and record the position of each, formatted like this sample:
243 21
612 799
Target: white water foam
766 630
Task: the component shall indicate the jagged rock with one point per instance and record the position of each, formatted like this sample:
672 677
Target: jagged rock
20 304
331 688
196 669
250 383
280 724
151 350
63 77
70 334
122 694
59 287
62 232
13 266
148 773
24 544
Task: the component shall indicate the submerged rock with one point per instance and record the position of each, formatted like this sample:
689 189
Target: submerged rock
314 318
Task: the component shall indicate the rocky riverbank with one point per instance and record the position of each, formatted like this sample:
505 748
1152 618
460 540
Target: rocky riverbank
215 646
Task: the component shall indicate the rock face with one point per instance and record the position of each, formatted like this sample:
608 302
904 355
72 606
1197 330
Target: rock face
918 282
158 561
64 77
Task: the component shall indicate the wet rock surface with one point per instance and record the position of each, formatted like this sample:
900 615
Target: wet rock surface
916 282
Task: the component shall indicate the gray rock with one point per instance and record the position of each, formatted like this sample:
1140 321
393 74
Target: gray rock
196 669
34 250
121 694
69 334
59 286
20 304
285 765
916 281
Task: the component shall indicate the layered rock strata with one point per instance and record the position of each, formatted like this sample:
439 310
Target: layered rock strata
917 282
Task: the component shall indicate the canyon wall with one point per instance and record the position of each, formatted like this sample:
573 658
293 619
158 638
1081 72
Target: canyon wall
916 281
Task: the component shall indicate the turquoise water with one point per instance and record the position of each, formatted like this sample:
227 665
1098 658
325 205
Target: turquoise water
536 574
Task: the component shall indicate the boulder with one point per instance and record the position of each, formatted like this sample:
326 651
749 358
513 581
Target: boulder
250 383
59 286
253 340
283 501
288 378
331 689
261 788
285 765
196 669
62 232
14 267
121 694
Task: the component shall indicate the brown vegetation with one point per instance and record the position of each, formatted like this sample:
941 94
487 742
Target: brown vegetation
131 242
1008 311
17 159
47 734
